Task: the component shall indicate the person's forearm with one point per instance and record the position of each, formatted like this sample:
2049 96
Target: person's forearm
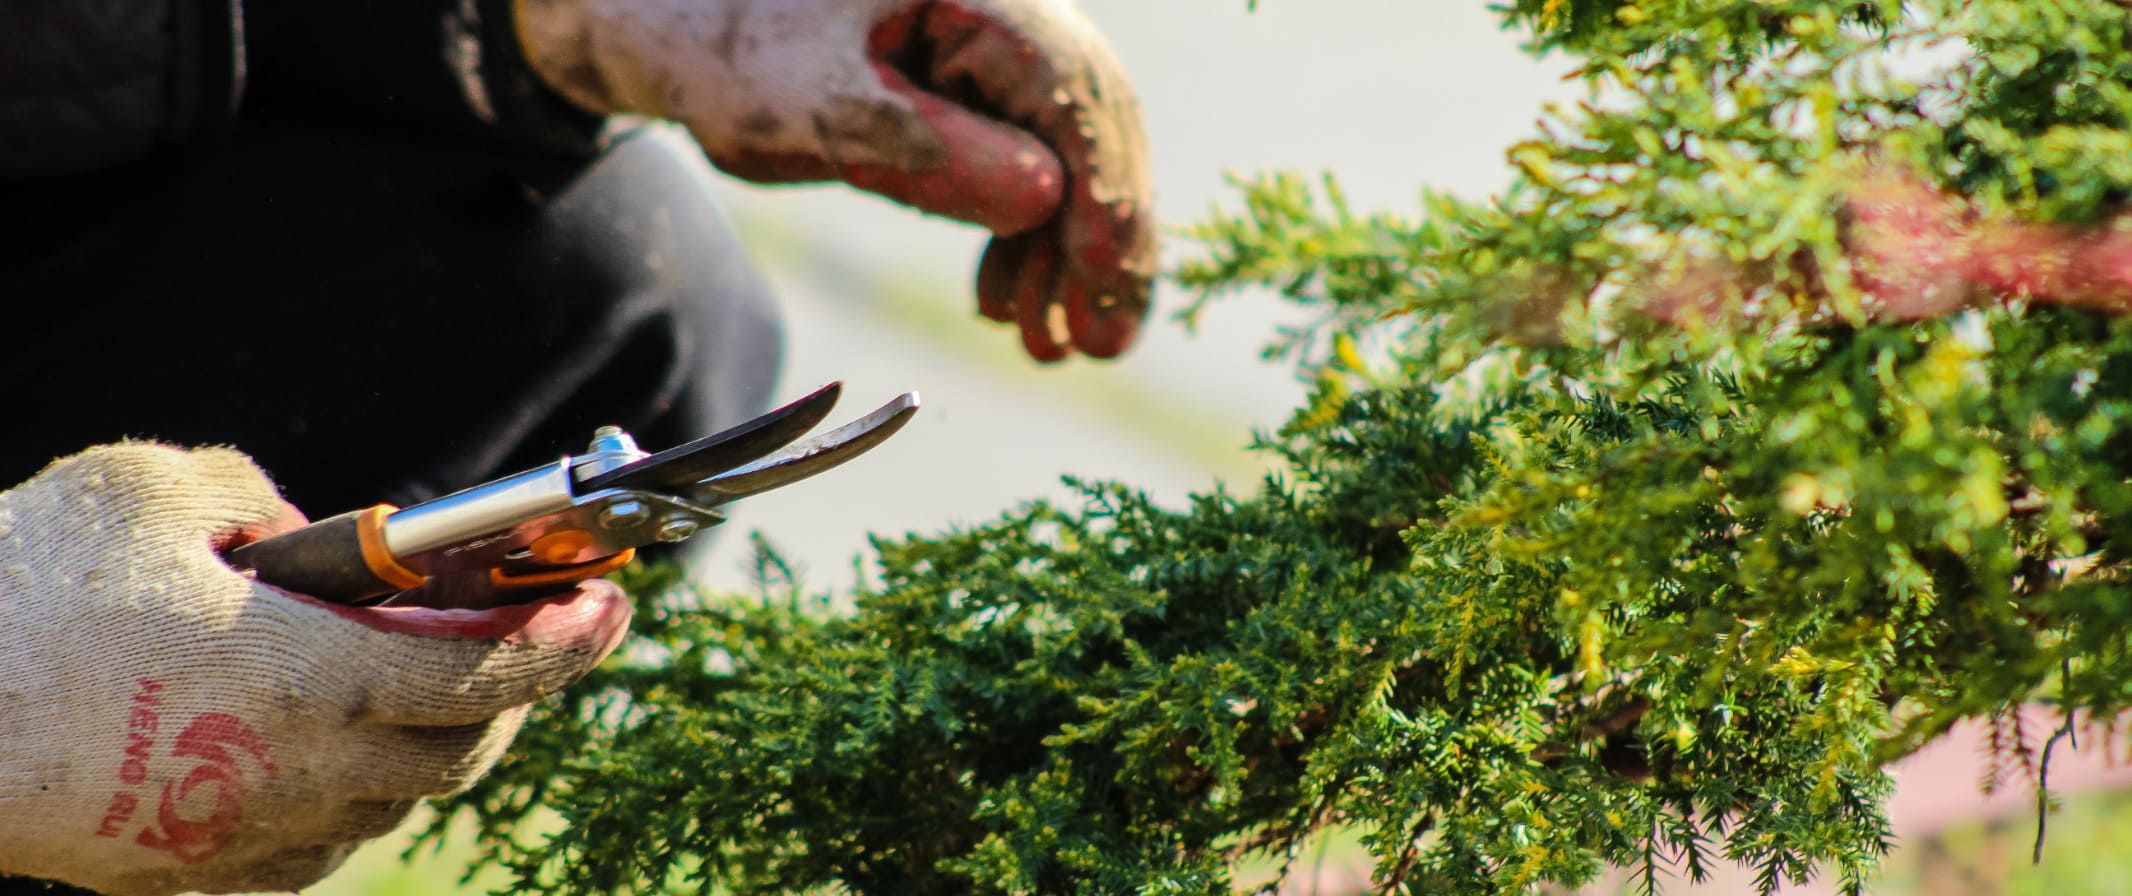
450 66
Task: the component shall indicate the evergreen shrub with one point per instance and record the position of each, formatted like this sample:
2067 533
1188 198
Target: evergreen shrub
1773 422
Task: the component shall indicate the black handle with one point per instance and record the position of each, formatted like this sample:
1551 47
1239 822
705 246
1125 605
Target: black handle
326 559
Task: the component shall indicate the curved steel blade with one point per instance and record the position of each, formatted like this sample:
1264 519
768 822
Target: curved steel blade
684 465
812 456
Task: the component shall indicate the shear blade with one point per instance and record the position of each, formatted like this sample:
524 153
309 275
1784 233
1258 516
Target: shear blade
685 465
804 459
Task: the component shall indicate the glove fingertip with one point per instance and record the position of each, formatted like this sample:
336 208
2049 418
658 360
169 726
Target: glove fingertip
1042 347
428 666
1103 325
774 167
1110 249
986 172
997 273
1044 331
590 619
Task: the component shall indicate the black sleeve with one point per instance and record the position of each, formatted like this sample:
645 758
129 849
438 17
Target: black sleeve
93 84
448 65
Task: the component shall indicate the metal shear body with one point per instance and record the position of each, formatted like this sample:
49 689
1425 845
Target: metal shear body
579 517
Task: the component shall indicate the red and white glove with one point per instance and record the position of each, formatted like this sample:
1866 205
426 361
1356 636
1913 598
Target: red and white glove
168 725
1009 114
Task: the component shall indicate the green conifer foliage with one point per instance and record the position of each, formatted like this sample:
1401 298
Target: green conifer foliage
1774 422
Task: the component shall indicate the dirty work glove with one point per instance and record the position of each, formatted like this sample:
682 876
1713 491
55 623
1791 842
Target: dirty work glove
167 725
1010 114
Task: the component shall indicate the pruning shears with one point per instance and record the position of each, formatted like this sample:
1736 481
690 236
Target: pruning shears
580 517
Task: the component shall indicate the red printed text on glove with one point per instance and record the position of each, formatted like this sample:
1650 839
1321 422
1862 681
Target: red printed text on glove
199 802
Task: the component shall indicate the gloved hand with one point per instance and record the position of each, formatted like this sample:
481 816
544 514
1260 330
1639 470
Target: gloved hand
168 725
1010 114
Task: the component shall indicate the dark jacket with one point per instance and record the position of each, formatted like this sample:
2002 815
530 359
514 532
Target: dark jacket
94 84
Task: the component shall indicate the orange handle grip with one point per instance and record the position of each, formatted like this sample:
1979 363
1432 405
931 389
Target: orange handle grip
562 575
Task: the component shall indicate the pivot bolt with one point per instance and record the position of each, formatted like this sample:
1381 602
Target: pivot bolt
611 438
611 449
624 515
677 529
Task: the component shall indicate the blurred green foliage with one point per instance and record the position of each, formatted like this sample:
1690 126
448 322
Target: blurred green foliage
1538 584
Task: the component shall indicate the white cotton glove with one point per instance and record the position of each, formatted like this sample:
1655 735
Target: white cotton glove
1010 114
168 725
